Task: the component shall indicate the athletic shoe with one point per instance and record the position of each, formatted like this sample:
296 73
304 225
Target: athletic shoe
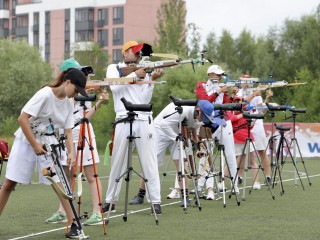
210 195
235 190
174 194
157 209
94 219
256 186
220 187
73 232
268 181
239 180
57 217
136 200
105 207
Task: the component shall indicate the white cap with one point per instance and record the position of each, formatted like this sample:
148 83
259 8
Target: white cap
215 69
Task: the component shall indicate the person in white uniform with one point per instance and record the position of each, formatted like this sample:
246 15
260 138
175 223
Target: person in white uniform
167 131
215 94
143 127
50 106
87 160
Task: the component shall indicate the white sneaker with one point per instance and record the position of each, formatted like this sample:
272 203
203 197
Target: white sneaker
235 190
220 187
256 186
210 195
174 194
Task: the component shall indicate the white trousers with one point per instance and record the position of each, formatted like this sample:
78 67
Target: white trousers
227 140
146 148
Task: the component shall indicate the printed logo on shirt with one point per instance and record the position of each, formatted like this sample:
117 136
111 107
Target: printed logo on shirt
150 136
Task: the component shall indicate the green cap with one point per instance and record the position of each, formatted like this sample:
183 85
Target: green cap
69 63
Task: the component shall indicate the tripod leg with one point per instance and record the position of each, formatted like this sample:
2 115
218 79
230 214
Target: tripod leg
260 167
296 147
294 162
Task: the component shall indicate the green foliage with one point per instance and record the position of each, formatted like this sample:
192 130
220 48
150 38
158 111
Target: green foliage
181 82
9 126
171 28
102 124
92 56
22 74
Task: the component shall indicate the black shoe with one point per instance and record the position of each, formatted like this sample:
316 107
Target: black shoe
187 200
239 180
136 200
73 232
268 181
106 206
157 209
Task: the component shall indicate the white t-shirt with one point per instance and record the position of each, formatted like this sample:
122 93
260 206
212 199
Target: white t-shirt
134 93
78 115
211 88
171 124
44 105
257 101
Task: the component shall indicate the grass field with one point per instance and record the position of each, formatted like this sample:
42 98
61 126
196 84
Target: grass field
294 215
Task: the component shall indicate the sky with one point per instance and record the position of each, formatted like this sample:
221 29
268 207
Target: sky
256 16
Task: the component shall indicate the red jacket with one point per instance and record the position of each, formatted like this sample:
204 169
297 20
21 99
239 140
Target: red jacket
203 95
240 129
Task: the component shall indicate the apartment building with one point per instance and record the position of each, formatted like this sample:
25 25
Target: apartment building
58 27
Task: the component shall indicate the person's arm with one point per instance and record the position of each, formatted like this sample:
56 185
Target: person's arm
23 120
203 95
69 145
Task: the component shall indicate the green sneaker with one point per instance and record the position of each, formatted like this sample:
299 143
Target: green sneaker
57 217
94 219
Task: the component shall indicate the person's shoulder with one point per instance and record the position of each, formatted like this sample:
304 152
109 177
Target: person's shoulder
200 84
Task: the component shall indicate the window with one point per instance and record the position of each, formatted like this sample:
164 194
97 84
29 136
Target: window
22 21
117 36
47 18
66 46
103 38
36 39
117 55
102 17
84 15
4 4
67 25
118 15
36 19
82 36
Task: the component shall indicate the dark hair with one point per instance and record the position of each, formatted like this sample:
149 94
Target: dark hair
57 82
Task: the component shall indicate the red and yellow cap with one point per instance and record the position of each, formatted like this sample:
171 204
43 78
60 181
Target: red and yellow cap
135 46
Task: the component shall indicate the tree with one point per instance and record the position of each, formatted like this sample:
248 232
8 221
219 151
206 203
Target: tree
195 39
22 74
226 51
245 50
211 47
171 28
92 55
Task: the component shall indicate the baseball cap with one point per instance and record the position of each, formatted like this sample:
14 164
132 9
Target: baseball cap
69 63
210 116
135 46
78 78
215 69
72 63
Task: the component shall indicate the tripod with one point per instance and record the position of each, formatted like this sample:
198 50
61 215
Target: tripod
129 146
246 151
283 143
294 142
184 145
221 155
82 139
